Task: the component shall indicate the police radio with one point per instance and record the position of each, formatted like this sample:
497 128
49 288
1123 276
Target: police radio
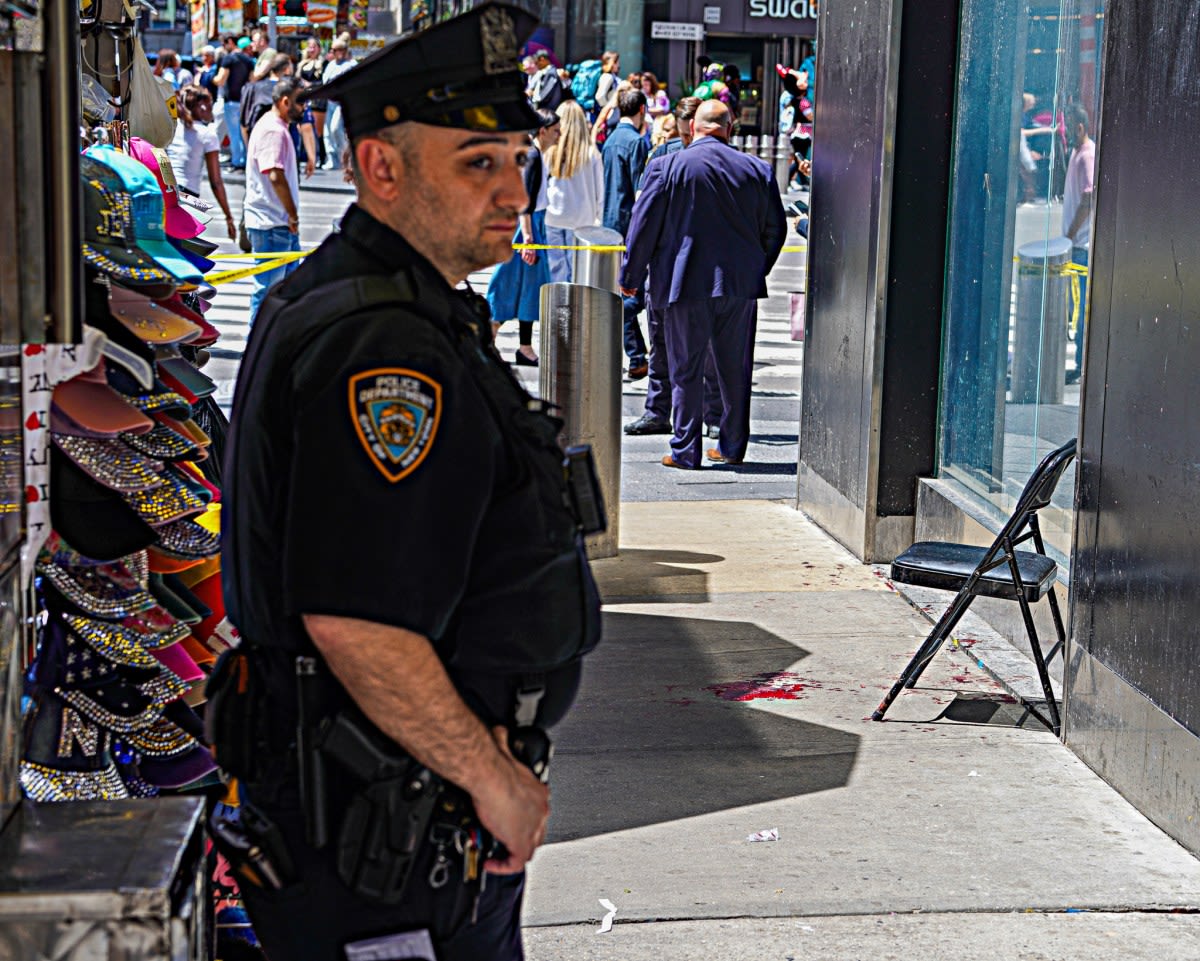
587 500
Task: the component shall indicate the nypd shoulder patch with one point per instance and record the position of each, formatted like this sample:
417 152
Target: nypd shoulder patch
396 412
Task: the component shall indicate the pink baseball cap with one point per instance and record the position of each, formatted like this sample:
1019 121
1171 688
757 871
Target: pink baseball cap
179 223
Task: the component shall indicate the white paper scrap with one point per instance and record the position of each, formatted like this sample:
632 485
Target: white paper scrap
973 774
606 924
771 834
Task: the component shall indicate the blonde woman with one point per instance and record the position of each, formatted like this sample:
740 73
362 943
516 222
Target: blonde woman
575 192
664 129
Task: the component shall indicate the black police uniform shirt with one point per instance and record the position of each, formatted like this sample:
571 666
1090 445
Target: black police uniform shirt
367 477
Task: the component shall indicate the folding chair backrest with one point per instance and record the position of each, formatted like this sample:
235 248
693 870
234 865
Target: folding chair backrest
1040 487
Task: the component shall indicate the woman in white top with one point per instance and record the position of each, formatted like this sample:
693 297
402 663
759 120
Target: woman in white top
575 193
658 104
195 149
610 76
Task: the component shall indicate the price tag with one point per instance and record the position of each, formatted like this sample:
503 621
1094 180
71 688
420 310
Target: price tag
166 171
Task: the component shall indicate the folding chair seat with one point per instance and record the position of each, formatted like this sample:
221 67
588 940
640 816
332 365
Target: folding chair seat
999 571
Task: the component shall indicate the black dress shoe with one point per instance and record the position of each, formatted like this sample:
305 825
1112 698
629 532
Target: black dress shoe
524 361
649 424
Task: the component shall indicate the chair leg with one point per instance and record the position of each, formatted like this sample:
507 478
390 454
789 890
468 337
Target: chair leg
1061 643
1055 723
929 647
947 623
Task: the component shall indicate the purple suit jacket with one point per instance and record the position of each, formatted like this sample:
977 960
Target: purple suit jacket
709 222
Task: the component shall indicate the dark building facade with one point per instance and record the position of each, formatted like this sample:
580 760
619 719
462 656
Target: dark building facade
947 316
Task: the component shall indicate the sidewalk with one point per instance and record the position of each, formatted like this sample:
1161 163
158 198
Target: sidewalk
744 651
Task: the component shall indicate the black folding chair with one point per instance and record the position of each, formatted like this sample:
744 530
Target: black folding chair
999 571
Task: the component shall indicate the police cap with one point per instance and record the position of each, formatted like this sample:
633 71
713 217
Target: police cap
462 73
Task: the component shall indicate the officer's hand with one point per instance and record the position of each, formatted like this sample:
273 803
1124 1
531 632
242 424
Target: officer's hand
629 291
514 809
529 256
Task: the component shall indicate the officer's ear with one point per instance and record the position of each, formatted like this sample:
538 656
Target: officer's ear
379 168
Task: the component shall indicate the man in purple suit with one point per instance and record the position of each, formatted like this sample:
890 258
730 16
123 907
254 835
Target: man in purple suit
708 225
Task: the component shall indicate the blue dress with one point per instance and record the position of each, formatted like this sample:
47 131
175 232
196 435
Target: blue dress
515 289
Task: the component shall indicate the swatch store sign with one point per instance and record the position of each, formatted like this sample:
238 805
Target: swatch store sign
782 9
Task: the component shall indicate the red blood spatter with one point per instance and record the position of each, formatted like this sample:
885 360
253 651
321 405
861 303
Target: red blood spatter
31 495
963 679
771 686
32 349
33 422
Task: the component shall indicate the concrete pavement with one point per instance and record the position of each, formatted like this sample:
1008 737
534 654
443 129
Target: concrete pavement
744 652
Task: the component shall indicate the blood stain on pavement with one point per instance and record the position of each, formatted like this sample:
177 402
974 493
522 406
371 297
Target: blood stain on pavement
769 686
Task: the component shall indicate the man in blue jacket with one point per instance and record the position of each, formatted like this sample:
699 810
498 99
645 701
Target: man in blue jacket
708 226
624 157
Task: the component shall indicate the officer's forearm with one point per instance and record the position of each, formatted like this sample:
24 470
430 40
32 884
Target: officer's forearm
397 680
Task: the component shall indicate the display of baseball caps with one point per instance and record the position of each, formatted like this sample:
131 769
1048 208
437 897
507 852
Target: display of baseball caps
126 641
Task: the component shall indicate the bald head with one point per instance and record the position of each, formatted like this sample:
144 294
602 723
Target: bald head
713 119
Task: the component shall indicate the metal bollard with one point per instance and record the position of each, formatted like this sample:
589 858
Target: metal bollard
752 144
737 142
766 149
783 162
580 368
597 268
1039 351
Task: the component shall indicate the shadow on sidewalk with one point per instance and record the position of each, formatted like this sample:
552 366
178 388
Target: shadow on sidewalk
668 725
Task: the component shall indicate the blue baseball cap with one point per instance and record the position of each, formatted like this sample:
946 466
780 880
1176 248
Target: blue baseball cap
148 211
110 235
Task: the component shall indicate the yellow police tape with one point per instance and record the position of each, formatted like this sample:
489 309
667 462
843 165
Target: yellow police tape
618 248
1074 272
273 261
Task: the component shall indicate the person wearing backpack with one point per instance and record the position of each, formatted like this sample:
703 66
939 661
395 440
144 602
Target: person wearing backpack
610 76
256 97
584 85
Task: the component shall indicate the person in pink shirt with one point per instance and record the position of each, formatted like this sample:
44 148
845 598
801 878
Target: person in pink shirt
1077 215
272 204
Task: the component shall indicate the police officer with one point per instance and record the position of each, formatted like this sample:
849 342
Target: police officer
400 552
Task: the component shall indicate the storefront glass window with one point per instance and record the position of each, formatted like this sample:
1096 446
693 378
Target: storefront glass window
1015 296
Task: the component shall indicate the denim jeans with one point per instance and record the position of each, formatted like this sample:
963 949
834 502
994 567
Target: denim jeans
635 343
1079 255
237 149
560 260
270 240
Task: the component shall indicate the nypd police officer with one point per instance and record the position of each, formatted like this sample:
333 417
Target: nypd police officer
400 552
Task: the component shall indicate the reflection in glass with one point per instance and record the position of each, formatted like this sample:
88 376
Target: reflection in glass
1015 299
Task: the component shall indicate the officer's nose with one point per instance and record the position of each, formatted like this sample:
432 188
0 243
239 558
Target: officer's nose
511 194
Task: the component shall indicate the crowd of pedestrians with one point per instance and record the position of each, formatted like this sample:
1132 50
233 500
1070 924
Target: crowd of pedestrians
702 223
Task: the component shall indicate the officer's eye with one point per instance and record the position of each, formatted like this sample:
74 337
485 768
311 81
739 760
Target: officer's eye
482 163
522 161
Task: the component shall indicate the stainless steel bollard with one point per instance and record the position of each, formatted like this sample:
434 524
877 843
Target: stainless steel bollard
738 142
1039 354
783 162
766 149
752 144
597 268
580 371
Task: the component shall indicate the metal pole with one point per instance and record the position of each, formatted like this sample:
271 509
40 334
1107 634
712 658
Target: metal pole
272 33
580 367
783 161
61 23
597 268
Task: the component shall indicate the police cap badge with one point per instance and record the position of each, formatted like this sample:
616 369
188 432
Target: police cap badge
464 73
